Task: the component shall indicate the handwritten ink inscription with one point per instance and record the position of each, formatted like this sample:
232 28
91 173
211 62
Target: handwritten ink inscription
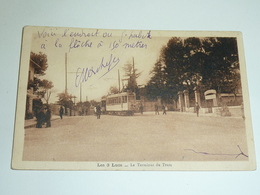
81 33
75 43
92 40
83 39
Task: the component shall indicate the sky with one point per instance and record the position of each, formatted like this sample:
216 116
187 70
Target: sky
95 58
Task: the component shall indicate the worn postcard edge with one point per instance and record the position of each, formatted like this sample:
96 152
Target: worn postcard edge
18 163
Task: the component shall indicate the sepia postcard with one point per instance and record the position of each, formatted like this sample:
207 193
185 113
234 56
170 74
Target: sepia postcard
102 99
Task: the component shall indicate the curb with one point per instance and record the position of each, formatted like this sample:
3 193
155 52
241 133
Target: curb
34 124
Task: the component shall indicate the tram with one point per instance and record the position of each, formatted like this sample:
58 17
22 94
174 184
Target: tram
123 104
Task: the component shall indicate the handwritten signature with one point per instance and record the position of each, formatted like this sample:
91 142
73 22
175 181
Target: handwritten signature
84 74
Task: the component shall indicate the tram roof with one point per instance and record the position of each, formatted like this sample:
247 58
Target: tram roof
120 94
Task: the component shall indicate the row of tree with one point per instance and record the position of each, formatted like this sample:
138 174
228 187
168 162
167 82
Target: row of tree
195 63
68 102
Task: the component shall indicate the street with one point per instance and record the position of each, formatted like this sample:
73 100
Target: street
148 137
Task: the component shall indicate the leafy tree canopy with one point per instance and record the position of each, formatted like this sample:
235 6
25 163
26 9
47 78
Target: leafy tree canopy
204 63
39 61
113 90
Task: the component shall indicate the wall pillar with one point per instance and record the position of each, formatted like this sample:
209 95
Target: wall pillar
186 99
197 97
180 101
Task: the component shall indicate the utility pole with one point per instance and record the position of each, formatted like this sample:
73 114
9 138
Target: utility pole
133 67
134 77
80 92
66 74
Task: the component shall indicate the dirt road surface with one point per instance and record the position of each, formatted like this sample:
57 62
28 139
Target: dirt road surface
148 137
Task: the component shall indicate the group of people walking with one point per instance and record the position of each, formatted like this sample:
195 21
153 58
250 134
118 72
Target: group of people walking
164 109
43 117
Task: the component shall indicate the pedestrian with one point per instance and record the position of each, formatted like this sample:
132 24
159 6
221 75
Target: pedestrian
141 108
156 109
80 111
48 117
40 118
197 108
61 112
98 111
164 108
